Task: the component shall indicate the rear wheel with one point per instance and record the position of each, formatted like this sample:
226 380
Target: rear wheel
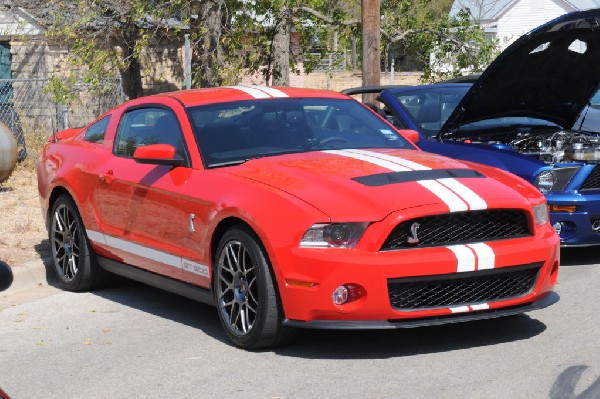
245 293
74 260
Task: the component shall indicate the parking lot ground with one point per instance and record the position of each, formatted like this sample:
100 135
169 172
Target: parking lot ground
131 340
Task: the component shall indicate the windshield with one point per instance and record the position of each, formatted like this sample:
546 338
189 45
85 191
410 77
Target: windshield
234 132
430 107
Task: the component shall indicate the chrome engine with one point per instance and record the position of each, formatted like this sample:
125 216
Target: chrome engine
560 146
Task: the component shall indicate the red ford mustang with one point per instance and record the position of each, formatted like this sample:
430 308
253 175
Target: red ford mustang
291 208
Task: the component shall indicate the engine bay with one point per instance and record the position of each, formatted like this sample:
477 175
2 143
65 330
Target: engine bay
550 147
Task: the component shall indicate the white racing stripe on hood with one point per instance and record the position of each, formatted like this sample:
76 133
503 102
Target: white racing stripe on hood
454 202
474 201
251 91
453 193
271 91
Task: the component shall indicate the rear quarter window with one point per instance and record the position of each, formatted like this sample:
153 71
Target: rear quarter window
95 133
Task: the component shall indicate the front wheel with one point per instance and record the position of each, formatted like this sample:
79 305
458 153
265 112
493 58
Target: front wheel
74 261
245 293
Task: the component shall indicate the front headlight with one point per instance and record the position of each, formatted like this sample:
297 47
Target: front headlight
540 214
545 181
333 235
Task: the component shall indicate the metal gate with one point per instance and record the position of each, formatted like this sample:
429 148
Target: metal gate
30 111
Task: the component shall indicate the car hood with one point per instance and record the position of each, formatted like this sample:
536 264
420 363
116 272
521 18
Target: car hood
550 73
368 185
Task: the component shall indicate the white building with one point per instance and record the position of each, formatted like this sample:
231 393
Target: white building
507 20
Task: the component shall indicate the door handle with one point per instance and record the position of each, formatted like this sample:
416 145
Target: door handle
107 177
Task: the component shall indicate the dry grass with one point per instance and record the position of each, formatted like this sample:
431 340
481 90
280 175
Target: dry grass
345 80
23 234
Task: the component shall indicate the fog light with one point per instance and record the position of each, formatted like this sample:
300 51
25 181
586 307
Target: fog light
565 229
557 227
340 295
596 225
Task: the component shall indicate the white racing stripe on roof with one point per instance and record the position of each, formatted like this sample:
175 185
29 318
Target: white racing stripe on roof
251 91
271 91
401 161
486 258
469 196
370 159
454 202
466 258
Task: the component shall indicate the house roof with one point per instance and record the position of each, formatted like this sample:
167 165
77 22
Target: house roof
490 10
42 16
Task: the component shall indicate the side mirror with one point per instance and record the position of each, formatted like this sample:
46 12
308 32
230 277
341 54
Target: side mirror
158 154
411 135
6 276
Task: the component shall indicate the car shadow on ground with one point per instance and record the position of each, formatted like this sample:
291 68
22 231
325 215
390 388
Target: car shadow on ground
324 344
381 344
579 256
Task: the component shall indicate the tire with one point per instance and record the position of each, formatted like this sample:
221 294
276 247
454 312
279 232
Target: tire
74 260
247 300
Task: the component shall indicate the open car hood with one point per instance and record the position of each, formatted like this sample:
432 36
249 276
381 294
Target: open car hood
550 73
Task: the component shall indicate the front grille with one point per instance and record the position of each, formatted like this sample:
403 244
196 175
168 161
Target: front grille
593 180
458 227
442 291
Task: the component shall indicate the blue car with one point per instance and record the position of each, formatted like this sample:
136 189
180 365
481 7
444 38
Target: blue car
533 112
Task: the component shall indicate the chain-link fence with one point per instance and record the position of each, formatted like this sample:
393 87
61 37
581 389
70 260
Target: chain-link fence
330 62
30 111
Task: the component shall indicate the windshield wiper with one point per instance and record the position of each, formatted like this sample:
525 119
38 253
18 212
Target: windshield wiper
228 163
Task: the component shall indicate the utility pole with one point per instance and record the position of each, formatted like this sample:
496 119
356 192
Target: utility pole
371 39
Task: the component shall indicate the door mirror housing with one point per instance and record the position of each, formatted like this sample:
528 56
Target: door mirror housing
411 135
158 154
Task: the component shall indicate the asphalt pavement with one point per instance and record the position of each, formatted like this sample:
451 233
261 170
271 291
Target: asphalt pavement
131 341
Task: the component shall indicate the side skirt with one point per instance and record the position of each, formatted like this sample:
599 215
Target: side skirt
164 283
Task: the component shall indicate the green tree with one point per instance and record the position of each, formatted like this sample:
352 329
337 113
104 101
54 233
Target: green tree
445 46
108 37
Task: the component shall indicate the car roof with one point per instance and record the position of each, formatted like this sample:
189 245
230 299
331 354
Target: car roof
195 97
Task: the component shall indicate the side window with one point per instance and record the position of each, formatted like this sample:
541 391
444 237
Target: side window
146 126
96 132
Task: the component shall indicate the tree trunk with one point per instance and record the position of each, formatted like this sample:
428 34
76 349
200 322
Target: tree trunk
133 79
132 75
281 51
209 57
371 51
354 55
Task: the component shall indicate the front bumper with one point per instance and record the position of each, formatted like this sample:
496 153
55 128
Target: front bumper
307 278
547 300
577 228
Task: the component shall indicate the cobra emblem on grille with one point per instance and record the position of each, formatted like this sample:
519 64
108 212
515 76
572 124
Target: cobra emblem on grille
413 238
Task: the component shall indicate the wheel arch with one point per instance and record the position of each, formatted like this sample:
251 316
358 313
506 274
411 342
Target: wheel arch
222 227
56 192
228 223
